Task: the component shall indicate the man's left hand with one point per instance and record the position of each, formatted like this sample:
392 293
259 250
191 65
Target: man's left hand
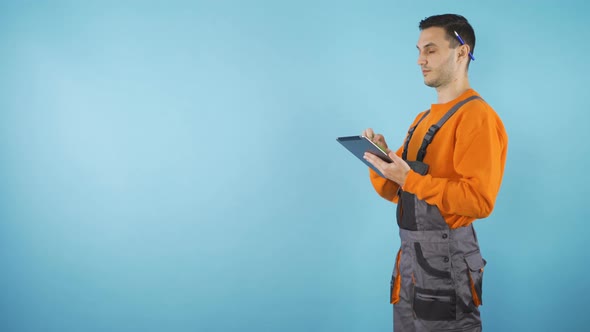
396 171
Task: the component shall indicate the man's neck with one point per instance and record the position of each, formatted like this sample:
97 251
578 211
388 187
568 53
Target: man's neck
452 90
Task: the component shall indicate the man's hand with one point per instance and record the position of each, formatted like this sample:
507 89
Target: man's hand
396 171
376 138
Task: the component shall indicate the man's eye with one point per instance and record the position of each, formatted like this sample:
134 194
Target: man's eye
430 52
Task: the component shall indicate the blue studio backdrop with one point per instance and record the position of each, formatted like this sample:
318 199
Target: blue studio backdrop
172 165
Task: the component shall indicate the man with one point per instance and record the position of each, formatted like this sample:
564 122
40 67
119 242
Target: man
446 174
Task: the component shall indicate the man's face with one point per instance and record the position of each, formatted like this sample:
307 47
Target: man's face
436 58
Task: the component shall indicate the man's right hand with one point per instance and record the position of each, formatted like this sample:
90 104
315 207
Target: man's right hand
376 138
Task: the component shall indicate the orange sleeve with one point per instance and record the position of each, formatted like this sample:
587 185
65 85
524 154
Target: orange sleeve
385 187
479 157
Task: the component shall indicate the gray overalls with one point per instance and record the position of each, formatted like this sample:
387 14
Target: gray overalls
439 270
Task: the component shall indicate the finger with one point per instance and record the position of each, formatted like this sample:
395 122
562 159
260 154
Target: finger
375 161
380 140
381 146
369 133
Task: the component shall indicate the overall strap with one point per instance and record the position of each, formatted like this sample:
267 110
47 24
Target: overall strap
435 127
409 136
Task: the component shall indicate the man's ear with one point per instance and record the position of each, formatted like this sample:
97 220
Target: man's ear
464 51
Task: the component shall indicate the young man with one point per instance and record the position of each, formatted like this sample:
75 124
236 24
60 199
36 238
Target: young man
445 175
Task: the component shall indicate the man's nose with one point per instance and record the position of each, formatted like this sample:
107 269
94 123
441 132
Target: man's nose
421 60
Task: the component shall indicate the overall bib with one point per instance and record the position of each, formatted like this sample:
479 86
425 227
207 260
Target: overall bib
437 278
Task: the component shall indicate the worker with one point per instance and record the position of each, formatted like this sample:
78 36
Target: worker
446 174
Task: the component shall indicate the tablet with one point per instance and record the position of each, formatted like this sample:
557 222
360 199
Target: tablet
358 145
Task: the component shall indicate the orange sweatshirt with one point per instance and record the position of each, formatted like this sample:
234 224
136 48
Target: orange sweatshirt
466 159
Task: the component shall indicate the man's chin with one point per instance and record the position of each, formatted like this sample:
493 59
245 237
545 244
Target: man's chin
431 83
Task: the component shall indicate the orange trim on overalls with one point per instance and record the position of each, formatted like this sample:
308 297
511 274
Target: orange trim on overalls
476 299
397 283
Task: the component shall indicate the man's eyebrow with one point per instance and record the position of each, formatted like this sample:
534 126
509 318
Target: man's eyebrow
427 45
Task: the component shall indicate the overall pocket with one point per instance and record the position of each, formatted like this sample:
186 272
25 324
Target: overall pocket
435 305
434 299
475 265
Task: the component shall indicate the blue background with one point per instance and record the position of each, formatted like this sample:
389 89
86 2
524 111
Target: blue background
172 166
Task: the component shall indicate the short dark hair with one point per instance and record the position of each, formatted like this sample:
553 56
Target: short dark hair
451 23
